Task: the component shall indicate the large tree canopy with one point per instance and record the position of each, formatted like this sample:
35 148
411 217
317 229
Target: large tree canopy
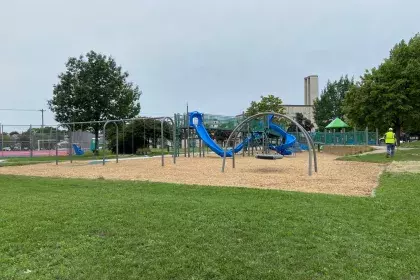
268 103
330 104
94 88
389 95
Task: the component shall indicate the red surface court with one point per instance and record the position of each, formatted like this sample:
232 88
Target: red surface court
42 153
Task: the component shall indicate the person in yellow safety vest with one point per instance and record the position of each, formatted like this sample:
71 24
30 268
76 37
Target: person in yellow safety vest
390 141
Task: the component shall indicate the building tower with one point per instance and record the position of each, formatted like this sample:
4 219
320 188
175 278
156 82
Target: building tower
311 89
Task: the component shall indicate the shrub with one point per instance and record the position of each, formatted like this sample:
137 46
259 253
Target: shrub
143 151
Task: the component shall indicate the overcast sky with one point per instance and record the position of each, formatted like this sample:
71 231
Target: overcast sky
216 55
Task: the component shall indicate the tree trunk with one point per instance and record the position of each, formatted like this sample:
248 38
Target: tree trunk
398 133
398 126
96 152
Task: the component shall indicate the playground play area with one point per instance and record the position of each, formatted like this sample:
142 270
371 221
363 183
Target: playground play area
266 156
290 173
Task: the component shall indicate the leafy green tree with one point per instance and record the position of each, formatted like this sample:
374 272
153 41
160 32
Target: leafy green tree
7 140
14 133
221 135
268 103
138 134
389 95
303 121
330 104
25 140
94 88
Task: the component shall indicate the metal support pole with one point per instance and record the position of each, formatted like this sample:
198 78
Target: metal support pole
194 142
199 146
243 149
354 136
50 138
144 135
103 145
42 118
123 132
162 142
263 142
81 137
184 137
132 138
56 145
31 141
154 145
377 137
367 136
175 139
325 136
2 140
233 154
71 144
116 159
188 132
297 134
250 141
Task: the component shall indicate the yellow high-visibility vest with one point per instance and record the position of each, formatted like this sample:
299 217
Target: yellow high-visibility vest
390 137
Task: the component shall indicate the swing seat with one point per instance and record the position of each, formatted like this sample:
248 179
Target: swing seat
269 156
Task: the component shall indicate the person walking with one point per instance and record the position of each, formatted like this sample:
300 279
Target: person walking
390 141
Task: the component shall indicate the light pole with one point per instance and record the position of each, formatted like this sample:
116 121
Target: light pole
42 119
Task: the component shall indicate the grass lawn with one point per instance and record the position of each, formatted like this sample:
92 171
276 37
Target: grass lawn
99 229
400 155
16 161
415 144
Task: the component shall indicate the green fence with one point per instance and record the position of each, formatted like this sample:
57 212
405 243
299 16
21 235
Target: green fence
341 138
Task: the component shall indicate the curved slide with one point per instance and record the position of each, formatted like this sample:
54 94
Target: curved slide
204 135
290 139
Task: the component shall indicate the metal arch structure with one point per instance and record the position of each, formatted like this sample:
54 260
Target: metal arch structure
68 126
161 119
311 145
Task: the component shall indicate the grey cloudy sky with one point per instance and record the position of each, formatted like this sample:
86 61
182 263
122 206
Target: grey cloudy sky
217 55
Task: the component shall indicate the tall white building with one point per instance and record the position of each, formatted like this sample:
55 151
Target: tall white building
310 93
311 89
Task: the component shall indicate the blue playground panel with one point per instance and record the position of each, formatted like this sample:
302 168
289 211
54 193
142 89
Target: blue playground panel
77 150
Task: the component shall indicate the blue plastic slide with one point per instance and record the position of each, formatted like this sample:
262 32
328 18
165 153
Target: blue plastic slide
77 150
204 135
290 139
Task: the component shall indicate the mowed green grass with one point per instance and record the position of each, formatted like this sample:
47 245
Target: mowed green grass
415 144
400 155
99 229
17 161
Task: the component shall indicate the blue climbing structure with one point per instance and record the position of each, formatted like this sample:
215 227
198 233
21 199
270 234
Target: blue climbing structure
284 149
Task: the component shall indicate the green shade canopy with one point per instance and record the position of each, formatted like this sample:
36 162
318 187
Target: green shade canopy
337 123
